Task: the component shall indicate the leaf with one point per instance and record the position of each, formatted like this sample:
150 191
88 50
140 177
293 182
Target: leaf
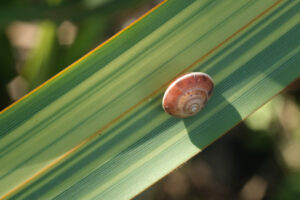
87 35
97 129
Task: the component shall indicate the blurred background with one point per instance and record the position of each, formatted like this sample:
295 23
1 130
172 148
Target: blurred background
257 159
39 38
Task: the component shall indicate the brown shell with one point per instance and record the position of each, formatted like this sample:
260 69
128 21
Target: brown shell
188 94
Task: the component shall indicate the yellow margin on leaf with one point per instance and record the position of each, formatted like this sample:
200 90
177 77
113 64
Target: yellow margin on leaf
83 57
60 158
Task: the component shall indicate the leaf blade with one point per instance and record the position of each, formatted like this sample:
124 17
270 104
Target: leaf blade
139 149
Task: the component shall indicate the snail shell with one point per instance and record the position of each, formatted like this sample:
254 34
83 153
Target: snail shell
188 94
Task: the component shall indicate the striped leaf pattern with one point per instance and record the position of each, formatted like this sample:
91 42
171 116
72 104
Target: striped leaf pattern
97 130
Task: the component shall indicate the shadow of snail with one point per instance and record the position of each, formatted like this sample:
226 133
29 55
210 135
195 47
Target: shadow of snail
187 95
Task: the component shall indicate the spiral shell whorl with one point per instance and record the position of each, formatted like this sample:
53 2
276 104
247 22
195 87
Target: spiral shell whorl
188 94
192 101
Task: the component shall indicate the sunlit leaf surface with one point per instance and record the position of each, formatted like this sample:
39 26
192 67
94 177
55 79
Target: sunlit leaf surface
98 131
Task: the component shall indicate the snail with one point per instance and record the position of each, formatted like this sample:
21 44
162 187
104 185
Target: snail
188 94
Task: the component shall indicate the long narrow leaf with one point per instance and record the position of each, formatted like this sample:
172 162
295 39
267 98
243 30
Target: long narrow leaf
97 130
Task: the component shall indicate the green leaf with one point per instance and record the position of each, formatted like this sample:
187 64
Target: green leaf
85 39
97 130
